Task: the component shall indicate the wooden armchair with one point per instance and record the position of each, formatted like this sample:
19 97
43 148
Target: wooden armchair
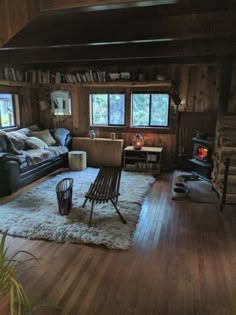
105 188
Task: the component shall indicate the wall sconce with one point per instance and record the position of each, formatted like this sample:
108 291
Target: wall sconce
138 142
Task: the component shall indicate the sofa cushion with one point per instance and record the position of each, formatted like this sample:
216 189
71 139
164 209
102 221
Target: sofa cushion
35 143
60 135
24 131
45 136
34 128
17 138
18 143
6 143
18 134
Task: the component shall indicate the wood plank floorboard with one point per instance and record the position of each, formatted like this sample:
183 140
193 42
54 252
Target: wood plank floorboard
183 262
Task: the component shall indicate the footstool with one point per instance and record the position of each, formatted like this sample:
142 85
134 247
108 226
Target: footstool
77 160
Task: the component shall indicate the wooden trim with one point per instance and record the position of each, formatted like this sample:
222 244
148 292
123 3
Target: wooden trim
166 84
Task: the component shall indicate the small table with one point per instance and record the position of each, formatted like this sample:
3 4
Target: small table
147 159
77 160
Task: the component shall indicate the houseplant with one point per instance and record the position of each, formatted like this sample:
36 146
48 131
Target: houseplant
13 298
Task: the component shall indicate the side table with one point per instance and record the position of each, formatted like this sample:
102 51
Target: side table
77 160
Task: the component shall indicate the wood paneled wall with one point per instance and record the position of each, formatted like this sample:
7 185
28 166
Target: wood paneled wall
14 16
199 87
199 92
232 99
28 103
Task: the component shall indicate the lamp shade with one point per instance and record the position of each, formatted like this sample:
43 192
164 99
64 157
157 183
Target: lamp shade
138 142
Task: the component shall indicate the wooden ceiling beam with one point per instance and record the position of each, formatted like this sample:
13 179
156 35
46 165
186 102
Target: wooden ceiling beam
113 53
97 5
83 29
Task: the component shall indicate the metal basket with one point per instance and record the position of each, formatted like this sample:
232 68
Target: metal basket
64 195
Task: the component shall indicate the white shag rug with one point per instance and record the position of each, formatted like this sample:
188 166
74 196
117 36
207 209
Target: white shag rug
34 214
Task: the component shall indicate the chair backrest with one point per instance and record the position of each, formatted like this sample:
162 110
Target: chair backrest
107 184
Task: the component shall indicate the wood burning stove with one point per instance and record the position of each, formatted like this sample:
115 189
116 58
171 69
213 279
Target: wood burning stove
201 160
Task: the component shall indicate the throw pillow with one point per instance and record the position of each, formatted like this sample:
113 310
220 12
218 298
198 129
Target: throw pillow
19 135
34 128
18 143
60 135
24 131
45 136
35 143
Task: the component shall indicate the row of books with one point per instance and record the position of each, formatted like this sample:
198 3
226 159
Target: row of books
152 157
11 74
143 166
47 76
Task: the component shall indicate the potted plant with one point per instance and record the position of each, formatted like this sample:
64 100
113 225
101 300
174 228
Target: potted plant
13 298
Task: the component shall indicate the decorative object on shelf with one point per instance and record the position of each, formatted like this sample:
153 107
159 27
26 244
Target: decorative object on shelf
174 94
141 77
113 136
138 142
114 76
160 77
125 76
92 134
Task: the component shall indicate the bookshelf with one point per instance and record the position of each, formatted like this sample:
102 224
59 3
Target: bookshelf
97 84
14 77
148 159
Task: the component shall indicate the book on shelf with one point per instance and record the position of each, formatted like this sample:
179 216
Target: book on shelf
152 157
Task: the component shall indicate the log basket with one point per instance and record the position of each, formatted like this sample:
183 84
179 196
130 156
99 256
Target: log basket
64 195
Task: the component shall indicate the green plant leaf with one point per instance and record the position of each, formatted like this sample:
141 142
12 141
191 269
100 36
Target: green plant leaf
20 303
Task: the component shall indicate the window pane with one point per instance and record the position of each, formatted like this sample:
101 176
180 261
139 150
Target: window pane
100 109
117 109
7 118
159 109
140 109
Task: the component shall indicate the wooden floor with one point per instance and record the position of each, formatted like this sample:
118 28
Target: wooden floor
183 262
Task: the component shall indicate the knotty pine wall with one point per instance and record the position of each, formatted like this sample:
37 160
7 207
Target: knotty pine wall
199 87
28 103
14 16
232 99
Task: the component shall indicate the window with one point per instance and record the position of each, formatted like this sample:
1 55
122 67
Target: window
60 103
7 111
150 110
107 109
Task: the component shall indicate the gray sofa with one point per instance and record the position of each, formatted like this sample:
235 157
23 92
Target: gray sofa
30 153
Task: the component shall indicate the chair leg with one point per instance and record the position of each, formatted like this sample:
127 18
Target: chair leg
121 217
91 214
84 202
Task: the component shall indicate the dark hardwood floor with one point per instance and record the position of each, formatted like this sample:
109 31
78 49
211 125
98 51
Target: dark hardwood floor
183 262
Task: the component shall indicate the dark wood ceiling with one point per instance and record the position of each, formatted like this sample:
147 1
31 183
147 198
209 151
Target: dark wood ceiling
139 32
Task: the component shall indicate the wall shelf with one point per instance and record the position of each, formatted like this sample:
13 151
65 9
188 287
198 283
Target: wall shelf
164 84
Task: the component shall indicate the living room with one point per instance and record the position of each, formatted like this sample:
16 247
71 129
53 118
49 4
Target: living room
92 50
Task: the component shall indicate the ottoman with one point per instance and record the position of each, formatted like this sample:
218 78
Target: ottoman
77 160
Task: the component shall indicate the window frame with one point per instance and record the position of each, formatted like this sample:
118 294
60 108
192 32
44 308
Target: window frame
108 109
14 111
150 110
